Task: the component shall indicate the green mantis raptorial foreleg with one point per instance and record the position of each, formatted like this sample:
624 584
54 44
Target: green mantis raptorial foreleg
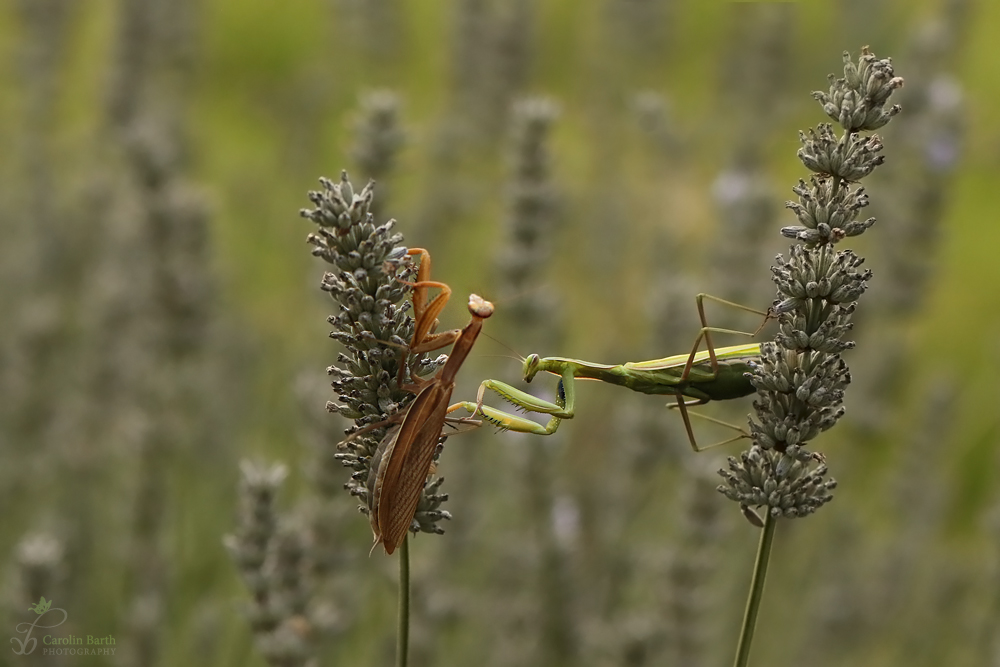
710 375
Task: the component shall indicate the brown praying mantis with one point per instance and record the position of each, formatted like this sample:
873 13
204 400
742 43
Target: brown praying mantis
404 458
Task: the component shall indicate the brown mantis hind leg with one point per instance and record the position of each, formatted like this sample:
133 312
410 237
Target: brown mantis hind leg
706 331
682 407
425 314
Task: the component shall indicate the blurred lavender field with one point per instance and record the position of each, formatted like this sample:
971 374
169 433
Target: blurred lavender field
589 166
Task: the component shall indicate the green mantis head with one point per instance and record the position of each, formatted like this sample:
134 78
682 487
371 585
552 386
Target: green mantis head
530 367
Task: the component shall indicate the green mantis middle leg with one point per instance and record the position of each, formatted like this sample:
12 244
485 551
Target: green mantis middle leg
711 375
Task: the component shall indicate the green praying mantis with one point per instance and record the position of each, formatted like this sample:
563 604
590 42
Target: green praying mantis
715 374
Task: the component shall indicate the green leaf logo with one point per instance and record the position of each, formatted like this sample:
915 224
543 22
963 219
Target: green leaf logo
41 606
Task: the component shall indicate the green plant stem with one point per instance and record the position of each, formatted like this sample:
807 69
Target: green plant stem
403 619
756 591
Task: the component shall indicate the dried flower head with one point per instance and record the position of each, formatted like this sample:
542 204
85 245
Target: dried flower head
801 377
372 324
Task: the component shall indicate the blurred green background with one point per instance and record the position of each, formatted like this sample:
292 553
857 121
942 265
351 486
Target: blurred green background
162 321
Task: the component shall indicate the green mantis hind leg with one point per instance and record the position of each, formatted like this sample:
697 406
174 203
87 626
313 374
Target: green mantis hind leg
561 409
706 333
682 407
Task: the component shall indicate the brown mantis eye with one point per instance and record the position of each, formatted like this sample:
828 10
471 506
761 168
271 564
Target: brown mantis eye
479 306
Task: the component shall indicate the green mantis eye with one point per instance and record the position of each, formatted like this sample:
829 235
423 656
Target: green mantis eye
530 367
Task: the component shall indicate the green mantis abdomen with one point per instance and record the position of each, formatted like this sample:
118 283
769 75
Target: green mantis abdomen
729 382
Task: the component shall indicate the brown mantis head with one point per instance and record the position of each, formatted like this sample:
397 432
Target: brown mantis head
479 307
